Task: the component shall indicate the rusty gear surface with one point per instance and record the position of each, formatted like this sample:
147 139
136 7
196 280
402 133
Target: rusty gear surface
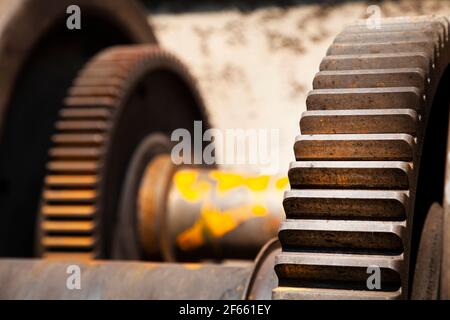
39 58
356 185
121 96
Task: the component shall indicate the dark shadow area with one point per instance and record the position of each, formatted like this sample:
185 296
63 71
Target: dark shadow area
430 186
181 6
30 122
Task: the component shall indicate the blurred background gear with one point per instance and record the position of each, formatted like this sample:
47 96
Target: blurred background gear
39 58
120 97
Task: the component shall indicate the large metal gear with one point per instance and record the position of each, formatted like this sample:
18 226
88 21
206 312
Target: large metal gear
369 162
120 97
39 58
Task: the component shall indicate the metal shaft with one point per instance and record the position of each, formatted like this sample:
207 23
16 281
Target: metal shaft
207 213
51 279
107 280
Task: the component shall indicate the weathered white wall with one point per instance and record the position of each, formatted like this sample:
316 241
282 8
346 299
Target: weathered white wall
255 68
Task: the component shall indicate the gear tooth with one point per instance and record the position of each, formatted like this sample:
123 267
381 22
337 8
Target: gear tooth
82 126
371 78
290 293
377 205
359 121
384 47
380 237
365 98
81 113
68 227
107 70
66 181
344 271
393 175
65 167
84 81
74 153
380 37
93 101
69 139
94 91
67 211
362 147
71 256
392 26
376 61
76 242
69 196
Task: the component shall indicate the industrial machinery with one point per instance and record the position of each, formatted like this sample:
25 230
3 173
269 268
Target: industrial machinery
123 280
86 170
115 118
230 280
39 58
186 213
370 161
120 97
94 126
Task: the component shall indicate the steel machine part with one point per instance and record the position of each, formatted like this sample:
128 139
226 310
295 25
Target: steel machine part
39 57
186 213
108 137
445 261
230 280
428 266
108 280
122 95
370 161
263 278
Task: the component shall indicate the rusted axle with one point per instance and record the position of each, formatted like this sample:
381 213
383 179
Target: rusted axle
106 280
52 279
